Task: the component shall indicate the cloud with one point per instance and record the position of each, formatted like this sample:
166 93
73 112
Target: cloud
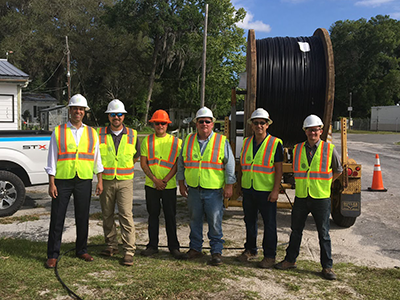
372 3
395 15
248 23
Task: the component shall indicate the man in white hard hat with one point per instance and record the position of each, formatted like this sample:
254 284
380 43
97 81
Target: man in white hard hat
207 164
261 161
316 164
119 148
159 160
73 158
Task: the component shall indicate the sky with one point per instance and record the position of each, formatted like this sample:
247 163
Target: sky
294 18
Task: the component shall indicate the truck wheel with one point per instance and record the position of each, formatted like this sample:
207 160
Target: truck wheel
340 220
12 193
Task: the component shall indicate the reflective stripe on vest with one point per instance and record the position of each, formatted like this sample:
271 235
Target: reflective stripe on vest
205 170
118 166
73 160
314 179
259 171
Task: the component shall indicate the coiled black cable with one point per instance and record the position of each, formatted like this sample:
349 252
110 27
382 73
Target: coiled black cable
291 84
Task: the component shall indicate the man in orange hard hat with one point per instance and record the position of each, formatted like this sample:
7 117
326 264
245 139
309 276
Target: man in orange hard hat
316 164
119 148
159 153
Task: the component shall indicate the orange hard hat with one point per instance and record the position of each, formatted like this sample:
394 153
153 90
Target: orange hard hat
160 116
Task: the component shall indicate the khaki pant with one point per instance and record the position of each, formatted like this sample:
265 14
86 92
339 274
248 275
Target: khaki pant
118 192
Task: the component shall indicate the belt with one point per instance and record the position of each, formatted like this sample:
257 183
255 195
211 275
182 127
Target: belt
200 188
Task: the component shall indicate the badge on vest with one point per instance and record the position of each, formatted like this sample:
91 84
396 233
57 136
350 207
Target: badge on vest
303 165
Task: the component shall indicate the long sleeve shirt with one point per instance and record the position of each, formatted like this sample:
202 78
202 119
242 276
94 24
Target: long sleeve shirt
53 151
228 161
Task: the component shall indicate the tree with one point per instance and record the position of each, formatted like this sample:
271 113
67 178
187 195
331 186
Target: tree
367 57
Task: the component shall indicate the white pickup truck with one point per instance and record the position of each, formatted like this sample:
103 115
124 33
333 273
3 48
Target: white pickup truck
23 156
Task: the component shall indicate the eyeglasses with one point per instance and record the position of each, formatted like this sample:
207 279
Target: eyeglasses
262 123
160 123
204 121
313 130
116 115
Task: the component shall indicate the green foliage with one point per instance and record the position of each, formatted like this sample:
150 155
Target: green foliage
367 64
134 50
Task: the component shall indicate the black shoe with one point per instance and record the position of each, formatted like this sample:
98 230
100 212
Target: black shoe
177 254
149 252
216 259
192 254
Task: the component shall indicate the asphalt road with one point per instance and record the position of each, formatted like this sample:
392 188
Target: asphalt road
379 223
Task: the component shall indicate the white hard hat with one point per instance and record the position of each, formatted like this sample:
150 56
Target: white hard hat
204 112
260 113
312 121
78 100
115 106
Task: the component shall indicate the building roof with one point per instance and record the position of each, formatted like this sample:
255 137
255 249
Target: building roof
8 71
38 97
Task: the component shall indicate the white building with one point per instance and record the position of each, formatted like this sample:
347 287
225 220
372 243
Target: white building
12 80
386 118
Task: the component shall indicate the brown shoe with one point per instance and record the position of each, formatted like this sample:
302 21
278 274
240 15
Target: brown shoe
109 252
329 274
267 263
216 259
51 263
86 257
285 265
128 260
246 256
192 254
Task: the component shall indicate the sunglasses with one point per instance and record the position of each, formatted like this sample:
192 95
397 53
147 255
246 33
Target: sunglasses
116 115
313 129
160 123
262 123
204 121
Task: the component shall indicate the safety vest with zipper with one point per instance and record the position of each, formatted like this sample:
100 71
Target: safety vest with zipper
121 165
314 179
162 154
258 171
207 170
75 160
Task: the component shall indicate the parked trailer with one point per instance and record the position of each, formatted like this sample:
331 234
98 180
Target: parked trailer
346 190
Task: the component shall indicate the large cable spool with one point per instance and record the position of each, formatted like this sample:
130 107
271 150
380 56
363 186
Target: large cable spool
290 82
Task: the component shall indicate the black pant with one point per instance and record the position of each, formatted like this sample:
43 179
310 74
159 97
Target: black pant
82 190
153 204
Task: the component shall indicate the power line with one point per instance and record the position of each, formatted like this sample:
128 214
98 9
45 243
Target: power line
50 75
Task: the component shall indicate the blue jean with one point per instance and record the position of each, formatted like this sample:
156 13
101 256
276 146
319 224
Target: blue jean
254 202
320 210
206 202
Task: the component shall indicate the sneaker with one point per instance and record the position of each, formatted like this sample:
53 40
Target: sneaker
329 274
109 251
177 254
267 263
128 260
246 256
216 259
149 252
285 265
192 254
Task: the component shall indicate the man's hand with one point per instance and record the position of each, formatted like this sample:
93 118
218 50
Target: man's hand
228 190
99 188
183 189
53 193
273 196
159 184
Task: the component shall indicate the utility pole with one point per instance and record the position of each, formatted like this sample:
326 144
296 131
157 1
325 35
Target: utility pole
350 109
68 69
203 75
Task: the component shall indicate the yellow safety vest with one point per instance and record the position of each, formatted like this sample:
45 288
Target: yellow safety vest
207 170
315 179
162 154
73 160
259 171
121 165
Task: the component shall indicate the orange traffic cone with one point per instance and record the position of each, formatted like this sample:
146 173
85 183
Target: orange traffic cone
377 183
